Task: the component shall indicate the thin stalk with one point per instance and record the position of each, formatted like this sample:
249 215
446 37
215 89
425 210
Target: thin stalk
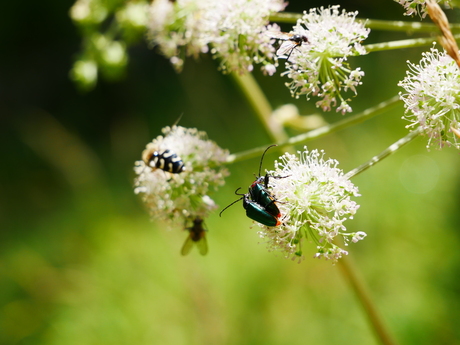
320 132
256 98
385 153
384 25
410 43
412 27
349 271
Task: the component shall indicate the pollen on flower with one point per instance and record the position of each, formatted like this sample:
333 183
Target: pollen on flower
231 30
314 198
173 193
319 67
431 98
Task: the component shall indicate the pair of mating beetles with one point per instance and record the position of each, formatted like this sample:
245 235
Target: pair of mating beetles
259 203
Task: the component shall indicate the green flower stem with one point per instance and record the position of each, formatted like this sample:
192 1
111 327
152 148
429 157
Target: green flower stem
386 25
320 132
410 43
385 153
349 271
411 27
260 104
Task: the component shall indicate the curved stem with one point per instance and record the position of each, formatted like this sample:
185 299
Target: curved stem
260 104
349 271
386 25
385 153
410 43
320 132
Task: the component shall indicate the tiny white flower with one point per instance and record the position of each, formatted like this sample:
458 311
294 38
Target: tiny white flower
314 198
432 98
419 6
269 69
178 197
231 30
319 67
358 236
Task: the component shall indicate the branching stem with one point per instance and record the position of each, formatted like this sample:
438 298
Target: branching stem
320 132
385 153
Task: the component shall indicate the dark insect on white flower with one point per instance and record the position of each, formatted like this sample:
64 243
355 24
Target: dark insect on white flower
290 42
166 160
197 236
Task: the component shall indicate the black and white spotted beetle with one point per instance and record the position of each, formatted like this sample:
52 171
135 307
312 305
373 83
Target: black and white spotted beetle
166 160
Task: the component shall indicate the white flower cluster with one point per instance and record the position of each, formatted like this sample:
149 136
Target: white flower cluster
419 6
314 198
232 30
432 98
177 197
318 67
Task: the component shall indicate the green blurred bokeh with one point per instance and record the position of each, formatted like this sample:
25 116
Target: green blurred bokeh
81 263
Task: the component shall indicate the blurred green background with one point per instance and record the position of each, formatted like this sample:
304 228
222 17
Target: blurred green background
81 263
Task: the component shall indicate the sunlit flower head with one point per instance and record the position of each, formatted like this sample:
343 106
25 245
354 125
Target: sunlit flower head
319 67
419 6
232 30
432 98
177 197
314 198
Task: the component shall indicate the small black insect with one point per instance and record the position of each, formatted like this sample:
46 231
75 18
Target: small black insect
197 236
290 42
166 160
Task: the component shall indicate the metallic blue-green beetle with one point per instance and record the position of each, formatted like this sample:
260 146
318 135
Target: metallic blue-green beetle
259 204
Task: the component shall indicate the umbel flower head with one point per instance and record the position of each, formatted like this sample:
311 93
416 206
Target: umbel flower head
419 6
314 198
232 30
432 98
178 197
319 67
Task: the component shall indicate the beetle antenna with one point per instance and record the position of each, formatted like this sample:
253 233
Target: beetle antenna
262 158
236 192
220 214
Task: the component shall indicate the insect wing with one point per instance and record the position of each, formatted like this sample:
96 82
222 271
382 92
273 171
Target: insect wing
259 213
286 49
188 245
202 245
262 196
